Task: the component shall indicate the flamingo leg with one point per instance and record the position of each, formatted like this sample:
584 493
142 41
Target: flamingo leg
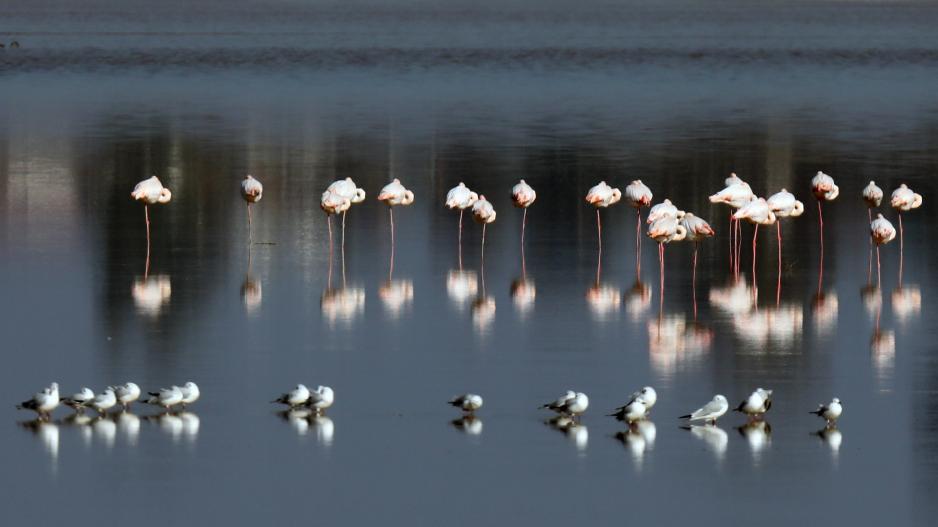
869 273
250 226
331 257
599 238
732 243
737 247
391 267
879 276
343 248
146 216
901 249
820 275
660 276
460 238
755 234
638 243
778 284
694 280
483 259
524 220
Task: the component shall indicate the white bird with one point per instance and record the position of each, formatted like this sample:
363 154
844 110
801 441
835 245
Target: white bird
601 196
639 196
661 210
824 190
873 196
522 195
647 396
251 190
394 194
484 213
332 204
79 400
469 402
784 205
190 393
166 397
104 401
150 192
295 397
697 229
735 194
709 412
44 402
571 404
758 213
346 188
881 233
321 398
634 411
460 197
127 394
757 404
666 230
559 403
830 411
904 200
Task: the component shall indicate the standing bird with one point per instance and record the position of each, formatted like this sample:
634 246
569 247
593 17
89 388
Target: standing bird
320 399
601 196
80 400
460 197
166 397
639 195
394 194
758 213
484 213
469 402
873 196
735 194
190 393
332 204
522 195
709 412
295 397
666 230
830 411
661 210
824 190
127 394
697 229
757 404
251 191
571 404
904 200
630 413
784 205
43 403
150 192
881 233
104 401
346 188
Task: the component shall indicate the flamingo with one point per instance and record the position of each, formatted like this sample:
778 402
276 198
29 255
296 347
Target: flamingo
347 189
150 192
639 195
881 232
758 213
824 190
484 213
394 194
697 229
784 205
904 200
251 191
460 197
661 210
736 194
601 196
873 196
522 195
332 204
666 230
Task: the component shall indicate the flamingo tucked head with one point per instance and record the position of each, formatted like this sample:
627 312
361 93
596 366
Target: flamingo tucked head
736 194
756 211
638 194
483 211
151 191
904 199
697 228
824 188
872 195
394 193
602 195
784 204
661 210
667 230
332 203
882 230
251 189
522 195
460 197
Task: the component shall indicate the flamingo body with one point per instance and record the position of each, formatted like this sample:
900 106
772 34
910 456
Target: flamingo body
756 211
522 195
151 191
697 228
872 195
667 230
661 210
824 187
251 189
904 199
394 194
483 211
460 197
882 230
602 195
346 188
638 194
784 205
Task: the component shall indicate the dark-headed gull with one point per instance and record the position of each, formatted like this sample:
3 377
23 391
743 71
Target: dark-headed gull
709 412
469 402
44 402
104 401
321 398
126 394
166 397
80 400
830 411
295 397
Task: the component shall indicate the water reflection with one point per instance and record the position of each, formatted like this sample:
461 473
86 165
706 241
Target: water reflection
151 293
48 435
179 426
396 295
483 313
906 302
603 300
461 286
342 305
575 431
251 294
304 420
105 430
735 298
639 438
637 300
713 436
468 424
872 298
673 343
523 293
824 312
128 425
758 434
780 326
832 437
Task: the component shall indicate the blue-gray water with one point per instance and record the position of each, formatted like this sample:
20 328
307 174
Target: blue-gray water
678 94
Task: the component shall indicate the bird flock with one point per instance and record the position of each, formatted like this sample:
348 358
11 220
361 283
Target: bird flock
45 401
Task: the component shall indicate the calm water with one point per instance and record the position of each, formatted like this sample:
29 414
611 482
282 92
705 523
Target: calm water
298 94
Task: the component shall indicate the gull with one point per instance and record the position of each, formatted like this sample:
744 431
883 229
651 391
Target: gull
709 412
601 196
104 401
150 192
43 403
460 197
873 196
881 233
647 396
190 393
522 195
757 404
127 394
570 404
560 402
295 397
321 398
166 397
735 194
830 411
630 413
904 200
79 400
251 191
639 195
469 402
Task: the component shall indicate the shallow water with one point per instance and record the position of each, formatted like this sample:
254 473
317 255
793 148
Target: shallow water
102 97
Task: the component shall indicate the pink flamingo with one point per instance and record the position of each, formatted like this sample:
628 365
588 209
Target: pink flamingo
639 195
758 213
824 189
394 194
484 214
601 196
150 192
904 200
736 194
881 232
347 189
667 229
784 205
697 229
332 204
251 191
460 197
873 196
522 195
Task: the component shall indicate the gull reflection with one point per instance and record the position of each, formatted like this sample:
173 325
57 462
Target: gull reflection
780 325
82 422
303 420
906 302
825 307
190 426
170 424
396 295
468 424
713 436
151 293
128 425
324 428
735 298
343 304
461 286
637 300
759 436
483 313
832 437
105 431
576 432
673 342
48 434
523 293
639 439
298 419
604 300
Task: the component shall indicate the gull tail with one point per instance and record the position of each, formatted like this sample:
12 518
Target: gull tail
819 411
688 416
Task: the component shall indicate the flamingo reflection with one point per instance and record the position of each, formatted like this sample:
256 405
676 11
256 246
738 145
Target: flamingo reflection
151 293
